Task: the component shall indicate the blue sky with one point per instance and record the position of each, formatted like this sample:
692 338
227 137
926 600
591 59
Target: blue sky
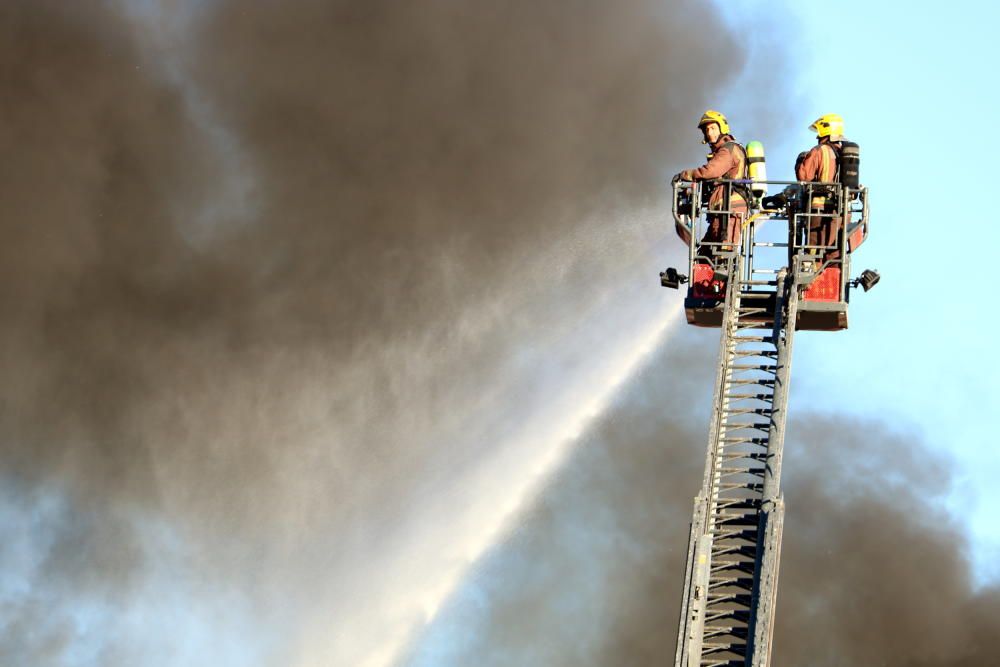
914 84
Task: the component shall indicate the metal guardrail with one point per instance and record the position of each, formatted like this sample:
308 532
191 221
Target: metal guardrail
799 206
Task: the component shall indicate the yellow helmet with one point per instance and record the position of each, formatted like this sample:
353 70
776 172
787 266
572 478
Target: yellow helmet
714 117
828 124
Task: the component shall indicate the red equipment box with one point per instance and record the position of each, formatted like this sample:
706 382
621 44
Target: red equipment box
702 285
826 286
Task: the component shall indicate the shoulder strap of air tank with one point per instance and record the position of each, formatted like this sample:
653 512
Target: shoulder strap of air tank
745 171
836 146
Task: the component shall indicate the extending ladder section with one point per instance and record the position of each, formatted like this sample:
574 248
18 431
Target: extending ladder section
735 540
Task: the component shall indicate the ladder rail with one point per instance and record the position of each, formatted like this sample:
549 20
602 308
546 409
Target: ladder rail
772 514
693 607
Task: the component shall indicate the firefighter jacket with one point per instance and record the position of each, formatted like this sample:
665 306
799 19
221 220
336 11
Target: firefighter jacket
818 165
727 161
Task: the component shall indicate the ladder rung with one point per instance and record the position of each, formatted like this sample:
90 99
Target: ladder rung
749 456
754 367
737 440
737 510
736 598
737 646
738 520
763 412
763 427
731 532
751 472
724 624
738 433
763 354
722 633
712 648
743 553
742 520
740 615
764 382
746 566
754 339
749 565
740 503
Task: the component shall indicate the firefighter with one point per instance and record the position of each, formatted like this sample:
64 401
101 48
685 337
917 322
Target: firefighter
728 160
819 165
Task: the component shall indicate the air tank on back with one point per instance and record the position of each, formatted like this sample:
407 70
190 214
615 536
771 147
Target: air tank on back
850 162
757 168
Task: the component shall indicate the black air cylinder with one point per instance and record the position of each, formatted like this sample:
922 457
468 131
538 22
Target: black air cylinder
850 163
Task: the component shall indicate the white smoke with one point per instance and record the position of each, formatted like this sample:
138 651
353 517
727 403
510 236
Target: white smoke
403 575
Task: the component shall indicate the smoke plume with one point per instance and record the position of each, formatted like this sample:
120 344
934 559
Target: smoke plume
292 291
299 296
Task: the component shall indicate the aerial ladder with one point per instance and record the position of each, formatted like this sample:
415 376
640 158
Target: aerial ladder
759 292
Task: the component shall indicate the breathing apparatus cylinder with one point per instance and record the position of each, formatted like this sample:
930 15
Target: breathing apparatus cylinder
850 162
757 168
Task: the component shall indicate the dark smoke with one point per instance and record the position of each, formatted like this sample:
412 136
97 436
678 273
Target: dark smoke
879 573
411 158
276 275
873 572
279 277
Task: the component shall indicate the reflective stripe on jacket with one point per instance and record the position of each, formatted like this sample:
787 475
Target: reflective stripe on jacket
818 165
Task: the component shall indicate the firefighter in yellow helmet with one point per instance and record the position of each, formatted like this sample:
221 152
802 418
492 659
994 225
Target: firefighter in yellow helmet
728 160
819 165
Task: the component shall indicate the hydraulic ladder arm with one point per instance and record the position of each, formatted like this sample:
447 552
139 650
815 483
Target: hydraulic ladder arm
734 545
735 538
